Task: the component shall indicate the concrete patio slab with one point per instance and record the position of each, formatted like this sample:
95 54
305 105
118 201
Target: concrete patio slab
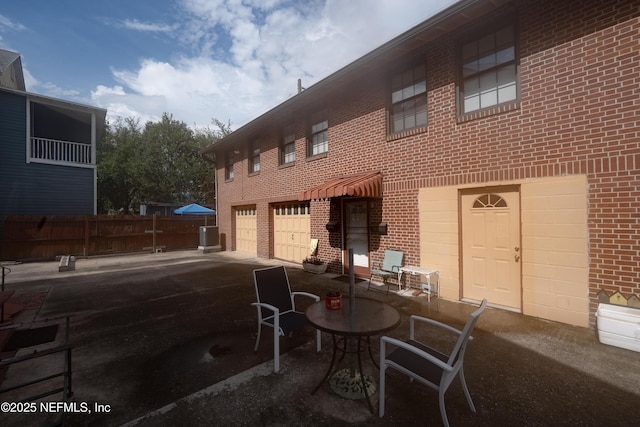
166 339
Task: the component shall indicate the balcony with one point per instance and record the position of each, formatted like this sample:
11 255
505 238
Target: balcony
66 153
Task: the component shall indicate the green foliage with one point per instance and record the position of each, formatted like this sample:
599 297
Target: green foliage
116 156
158 163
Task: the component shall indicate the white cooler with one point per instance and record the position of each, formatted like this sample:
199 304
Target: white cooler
619 326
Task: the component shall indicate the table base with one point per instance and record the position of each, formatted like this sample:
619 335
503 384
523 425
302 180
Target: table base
350 329
348 383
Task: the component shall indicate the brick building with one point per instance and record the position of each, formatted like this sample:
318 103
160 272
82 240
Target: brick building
497 141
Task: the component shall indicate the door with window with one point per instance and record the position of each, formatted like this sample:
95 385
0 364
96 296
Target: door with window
356 218
491 246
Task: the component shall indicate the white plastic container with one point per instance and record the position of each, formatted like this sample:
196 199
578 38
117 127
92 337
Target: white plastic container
619 326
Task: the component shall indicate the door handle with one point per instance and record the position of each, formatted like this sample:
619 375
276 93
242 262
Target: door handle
516 257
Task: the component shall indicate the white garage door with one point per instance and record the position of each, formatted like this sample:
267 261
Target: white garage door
292 231
246 229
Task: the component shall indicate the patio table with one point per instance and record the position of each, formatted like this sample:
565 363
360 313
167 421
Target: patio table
368 318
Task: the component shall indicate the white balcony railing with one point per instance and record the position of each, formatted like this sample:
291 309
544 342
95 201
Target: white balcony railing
61 152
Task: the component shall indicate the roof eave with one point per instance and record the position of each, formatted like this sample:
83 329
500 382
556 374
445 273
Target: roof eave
430 29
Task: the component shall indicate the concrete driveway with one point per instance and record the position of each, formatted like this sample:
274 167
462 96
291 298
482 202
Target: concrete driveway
167 339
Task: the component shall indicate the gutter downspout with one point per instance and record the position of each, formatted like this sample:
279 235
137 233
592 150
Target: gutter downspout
213 162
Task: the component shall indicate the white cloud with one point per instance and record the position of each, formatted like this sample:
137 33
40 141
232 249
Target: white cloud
119 104
48 88
248 55
29 80
8 24
194 90
134 24
55 91
107 91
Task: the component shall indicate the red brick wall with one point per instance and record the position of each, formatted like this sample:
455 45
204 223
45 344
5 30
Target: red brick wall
578 114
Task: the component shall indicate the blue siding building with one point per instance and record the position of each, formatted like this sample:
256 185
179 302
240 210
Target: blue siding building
47 155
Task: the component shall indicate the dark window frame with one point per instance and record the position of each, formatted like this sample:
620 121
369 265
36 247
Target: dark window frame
318 128
408 98
288 142
254 157
512 65
228 166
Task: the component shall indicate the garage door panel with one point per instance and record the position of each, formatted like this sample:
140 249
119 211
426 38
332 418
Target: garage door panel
292 231
246 229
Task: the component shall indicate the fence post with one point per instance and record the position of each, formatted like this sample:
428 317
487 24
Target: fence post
154 233
86 236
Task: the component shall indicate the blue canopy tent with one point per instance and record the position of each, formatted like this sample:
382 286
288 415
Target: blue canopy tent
194 209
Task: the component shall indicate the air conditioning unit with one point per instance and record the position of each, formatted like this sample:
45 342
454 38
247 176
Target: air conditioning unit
209 236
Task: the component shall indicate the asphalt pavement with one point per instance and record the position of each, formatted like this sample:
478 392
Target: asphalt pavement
167 339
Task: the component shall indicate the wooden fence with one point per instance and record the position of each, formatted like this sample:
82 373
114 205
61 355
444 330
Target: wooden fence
31 238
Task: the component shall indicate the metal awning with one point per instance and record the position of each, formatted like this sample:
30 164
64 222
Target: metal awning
367 184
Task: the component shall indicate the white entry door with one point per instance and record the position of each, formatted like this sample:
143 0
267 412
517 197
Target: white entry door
491 247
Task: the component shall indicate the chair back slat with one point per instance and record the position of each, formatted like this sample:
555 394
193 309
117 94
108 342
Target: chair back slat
459 349
392 258
272 287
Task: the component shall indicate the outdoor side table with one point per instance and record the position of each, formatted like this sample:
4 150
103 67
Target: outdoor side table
369 318
426 287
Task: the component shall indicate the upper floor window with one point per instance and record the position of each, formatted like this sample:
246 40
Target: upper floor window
254 158
409 99
288 147
319 139
488 70
228 168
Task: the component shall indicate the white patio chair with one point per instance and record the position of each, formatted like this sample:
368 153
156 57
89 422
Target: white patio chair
427 365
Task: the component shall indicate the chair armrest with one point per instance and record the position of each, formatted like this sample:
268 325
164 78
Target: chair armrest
376 263
258 305
396 268
415 318
439 363
306 294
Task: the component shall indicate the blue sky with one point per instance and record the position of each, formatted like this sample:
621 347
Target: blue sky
196 59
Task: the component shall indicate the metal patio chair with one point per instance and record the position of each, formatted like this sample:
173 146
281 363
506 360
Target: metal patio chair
277 309
44 344
426 364
388 268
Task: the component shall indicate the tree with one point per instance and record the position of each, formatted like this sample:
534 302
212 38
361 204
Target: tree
166 157
161 163
116 156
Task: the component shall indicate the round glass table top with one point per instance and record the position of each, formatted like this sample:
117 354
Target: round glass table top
369 317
